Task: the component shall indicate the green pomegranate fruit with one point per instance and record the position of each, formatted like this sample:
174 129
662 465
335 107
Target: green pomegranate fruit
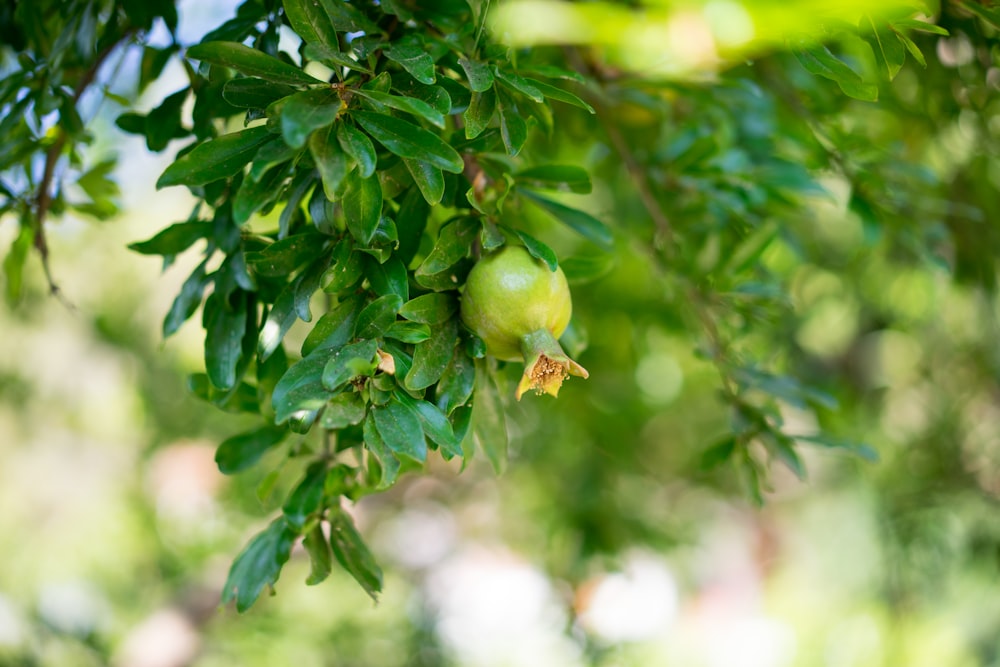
519 308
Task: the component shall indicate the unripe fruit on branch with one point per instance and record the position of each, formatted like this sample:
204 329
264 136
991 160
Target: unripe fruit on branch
519 308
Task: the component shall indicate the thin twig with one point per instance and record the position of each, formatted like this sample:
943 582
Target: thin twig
44 199
638 175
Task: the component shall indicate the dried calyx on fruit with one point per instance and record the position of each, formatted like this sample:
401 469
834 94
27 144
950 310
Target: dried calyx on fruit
519 308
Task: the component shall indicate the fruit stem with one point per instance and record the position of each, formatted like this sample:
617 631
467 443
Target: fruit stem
545 364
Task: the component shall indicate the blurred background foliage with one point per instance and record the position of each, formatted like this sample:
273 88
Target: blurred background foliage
822 262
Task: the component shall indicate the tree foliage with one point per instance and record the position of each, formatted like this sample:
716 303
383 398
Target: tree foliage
349 177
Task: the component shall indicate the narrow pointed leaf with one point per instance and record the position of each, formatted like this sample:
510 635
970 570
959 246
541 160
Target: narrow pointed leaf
410 141
353 554
433 308
411 55
400 428
479 114
428 178
244 450
357 144
362 206
488 423
218 158
583 223
376 445
254 93
348 363
431 358
251 62
377 316
330 159
258 565
408 104
307 111
559 177
560 95
312 22
479 75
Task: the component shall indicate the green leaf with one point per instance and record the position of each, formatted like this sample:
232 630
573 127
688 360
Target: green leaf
384 241
347 18
491 237
253 196
479 114
889 50
431 357
346 270
224 331
861 449
306 285
411 220
479 75
376 445
488 423
412 56
400 429
330 159
13 264
990 16
320 556
285 256
519 84
311 20
357 144
920 25
433 308
335 328
553 72
410 141
187 301
270 155
436 96
307 497
362 204
377 316
583 223
349 362
300 390
219 158
434 423
251 62
353 555
164 122
307 111
343 410
911 47
408 104
581 269
820 61
560 95
243 398
389 277
457 382
428 178
453 243
718 454
254 93
258 565
280 319
560 177
538 250
173 240
513 129
408 332
783 448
